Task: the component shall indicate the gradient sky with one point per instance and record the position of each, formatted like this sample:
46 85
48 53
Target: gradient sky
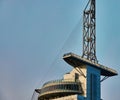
34 34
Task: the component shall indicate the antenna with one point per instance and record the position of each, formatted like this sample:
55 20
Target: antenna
89 32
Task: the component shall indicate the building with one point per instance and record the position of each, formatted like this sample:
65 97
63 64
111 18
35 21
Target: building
82 83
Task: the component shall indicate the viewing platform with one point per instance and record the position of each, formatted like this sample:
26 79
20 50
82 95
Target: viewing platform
59 88
76 61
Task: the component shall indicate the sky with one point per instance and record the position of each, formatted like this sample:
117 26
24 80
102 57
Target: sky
34 35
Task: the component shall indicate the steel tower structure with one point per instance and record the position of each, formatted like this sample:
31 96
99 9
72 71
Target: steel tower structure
84 81
89 32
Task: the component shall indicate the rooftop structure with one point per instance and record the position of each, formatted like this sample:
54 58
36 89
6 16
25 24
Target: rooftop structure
83 82
60 88
75 61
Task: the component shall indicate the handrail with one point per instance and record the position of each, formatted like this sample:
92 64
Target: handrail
58 81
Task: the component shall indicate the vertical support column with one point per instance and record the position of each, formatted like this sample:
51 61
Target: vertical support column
89 32
93 83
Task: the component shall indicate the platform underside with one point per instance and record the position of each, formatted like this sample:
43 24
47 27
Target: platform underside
77 61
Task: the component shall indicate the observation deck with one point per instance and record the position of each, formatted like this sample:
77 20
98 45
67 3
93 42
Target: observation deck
76 61
59 88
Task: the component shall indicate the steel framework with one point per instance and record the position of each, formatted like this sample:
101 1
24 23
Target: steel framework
89 32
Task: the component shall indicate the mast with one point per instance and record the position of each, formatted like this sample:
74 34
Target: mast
89 32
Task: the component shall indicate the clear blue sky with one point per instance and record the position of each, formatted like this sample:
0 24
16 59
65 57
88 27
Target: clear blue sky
34 34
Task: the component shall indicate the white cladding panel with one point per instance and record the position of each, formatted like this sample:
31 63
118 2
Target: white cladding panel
82 79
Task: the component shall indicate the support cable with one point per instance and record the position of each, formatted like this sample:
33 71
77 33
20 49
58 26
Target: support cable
87 5
49 69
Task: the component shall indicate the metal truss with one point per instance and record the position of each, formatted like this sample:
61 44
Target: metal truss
80 71
89 32
104 78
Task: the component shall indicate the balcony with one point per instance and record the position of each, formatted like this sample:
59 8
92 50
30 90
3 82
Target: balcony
59 88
